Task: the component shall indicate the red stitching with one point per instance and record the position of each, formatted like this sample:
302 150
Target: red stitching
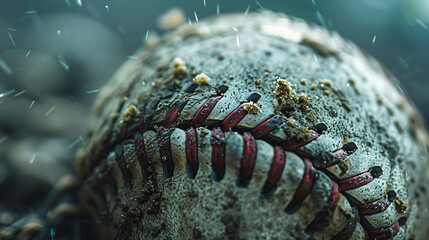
275 173
359 180
140 150
165 153
248 161
175 111
355 182
377 206
323 217
249 154
303 190
330 159
249 157
348 230
385 233
234 118
191 153
267 126
204 111
218 154
296 143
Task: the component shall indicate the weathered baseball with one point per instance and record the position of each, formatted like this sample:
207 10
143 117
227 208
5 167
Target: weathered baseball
254 127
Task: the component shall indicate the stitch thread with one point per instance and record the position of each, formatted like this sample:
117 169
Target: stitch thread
249 157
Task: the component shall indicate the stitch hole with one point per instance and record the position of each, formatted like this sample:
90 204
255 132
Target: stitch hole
287 110
376 172
391 195
402 221
221 89
320 128
191 88
350 147
254 97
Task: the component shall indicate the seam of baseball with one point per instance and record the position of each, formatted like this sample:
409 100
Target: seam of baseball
171 121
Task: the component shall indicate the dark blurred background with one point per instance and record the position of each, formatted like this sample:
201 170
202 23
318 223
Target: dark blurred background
55 55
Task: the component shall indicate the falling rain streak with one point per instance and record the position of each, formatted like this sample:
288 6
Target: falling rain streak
3 139
315 58
11 39
196 16
259 4
64 64
74 143
93 91
31 104
422 24
33 157
403 63
147 35
5 67
247 10
50 111
321 19
86 146
20 93
7 93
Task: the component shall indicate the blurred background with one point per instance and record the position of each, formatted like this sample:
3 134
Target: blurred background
55 55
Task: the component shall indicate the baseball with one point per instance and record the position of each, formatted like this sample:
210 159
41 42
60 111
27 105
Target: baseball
248 127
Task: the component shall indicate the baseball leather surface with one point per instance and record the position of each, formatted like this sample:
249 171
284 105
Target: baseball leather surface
254 127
